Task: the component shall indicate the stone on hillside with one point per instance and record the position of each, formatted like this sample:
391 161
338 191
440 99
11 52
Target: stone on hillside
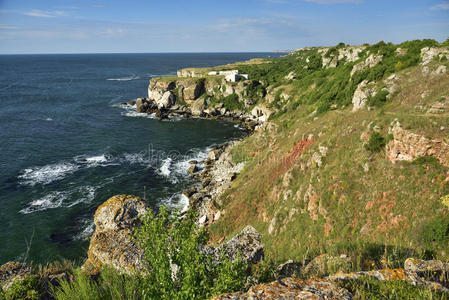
247 245
168 99
433 270
289 269
291 76
441 70
324 264
370 62
291 288
364 90
112 244
408 146
428 54
261 112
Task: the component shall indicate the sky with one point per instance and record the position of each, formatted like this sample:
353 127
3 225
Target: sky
148 26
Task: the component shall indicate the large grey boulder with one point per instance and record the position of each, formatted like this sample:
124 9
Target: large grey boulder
247 245
168 100
112 243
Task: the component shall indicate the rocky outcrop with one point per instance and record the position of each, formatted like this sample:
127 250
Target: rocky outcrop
247 246
12 271
112 243
291 288
218 174
261 112
158 87
408 146
370 62
364 90
429 53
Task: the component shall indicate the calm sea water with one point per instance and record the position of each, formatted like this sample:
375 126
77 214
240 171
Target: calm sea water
66 145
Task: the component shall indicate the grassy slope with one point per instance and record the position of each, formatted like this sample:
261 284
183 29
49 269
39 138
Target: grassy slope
340 207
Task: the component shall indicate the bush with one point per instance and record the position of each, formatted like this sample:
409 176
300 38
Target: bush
174 243
376 142
29 288
379 99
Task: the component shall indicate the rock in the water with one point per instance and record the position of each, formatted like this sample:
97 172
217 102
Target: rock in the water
291 288
193 169
112 244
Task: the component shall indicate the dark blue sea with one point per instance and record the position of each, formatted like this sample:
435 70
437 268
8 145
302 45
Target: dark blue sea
66 145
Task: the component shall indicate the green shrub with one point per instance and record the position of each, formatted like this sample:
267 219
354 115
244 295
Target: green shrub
379 99
30 288
169 240
376 142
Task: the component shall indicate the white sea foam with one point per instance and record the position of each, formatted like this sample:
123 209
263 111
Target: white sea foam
132 77
47 174
179 201
136 114
49 119
52 200
181 168
164 170
96 159
89 227
86 194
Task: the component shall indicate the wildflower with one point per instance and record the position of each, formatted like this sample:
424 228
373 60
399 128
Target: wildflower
108 283
134 291
121 295
72 278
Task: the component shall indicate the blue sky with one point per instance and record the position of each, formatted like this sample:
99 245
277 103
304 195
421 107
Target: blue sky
100 26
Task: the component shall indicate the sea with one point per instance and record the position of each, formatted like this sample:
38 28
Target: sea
67 145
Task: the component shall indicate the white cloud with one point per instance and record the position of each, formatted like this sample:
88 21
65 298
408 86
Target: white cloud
441 6
334 1
44 14
7 27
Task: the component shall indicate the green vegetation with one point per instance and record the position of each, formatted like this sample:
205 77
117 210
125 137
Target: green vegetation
368 288
230 102
376 142
30 288
176 269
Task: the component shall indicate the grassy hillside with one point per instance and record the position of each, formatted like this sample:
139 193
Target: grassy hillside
317 178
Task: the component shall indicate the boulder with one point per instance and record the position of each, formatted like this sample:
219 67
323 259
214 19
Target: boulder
324 264
292 288
370 62
198 107
261 112
364 90
289 269
112 243
191 89
428 53
247 244
168 99
158 87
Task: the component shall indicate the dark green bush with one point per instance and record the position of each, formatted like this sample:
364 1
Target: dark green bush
376 142
379 99
171 240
